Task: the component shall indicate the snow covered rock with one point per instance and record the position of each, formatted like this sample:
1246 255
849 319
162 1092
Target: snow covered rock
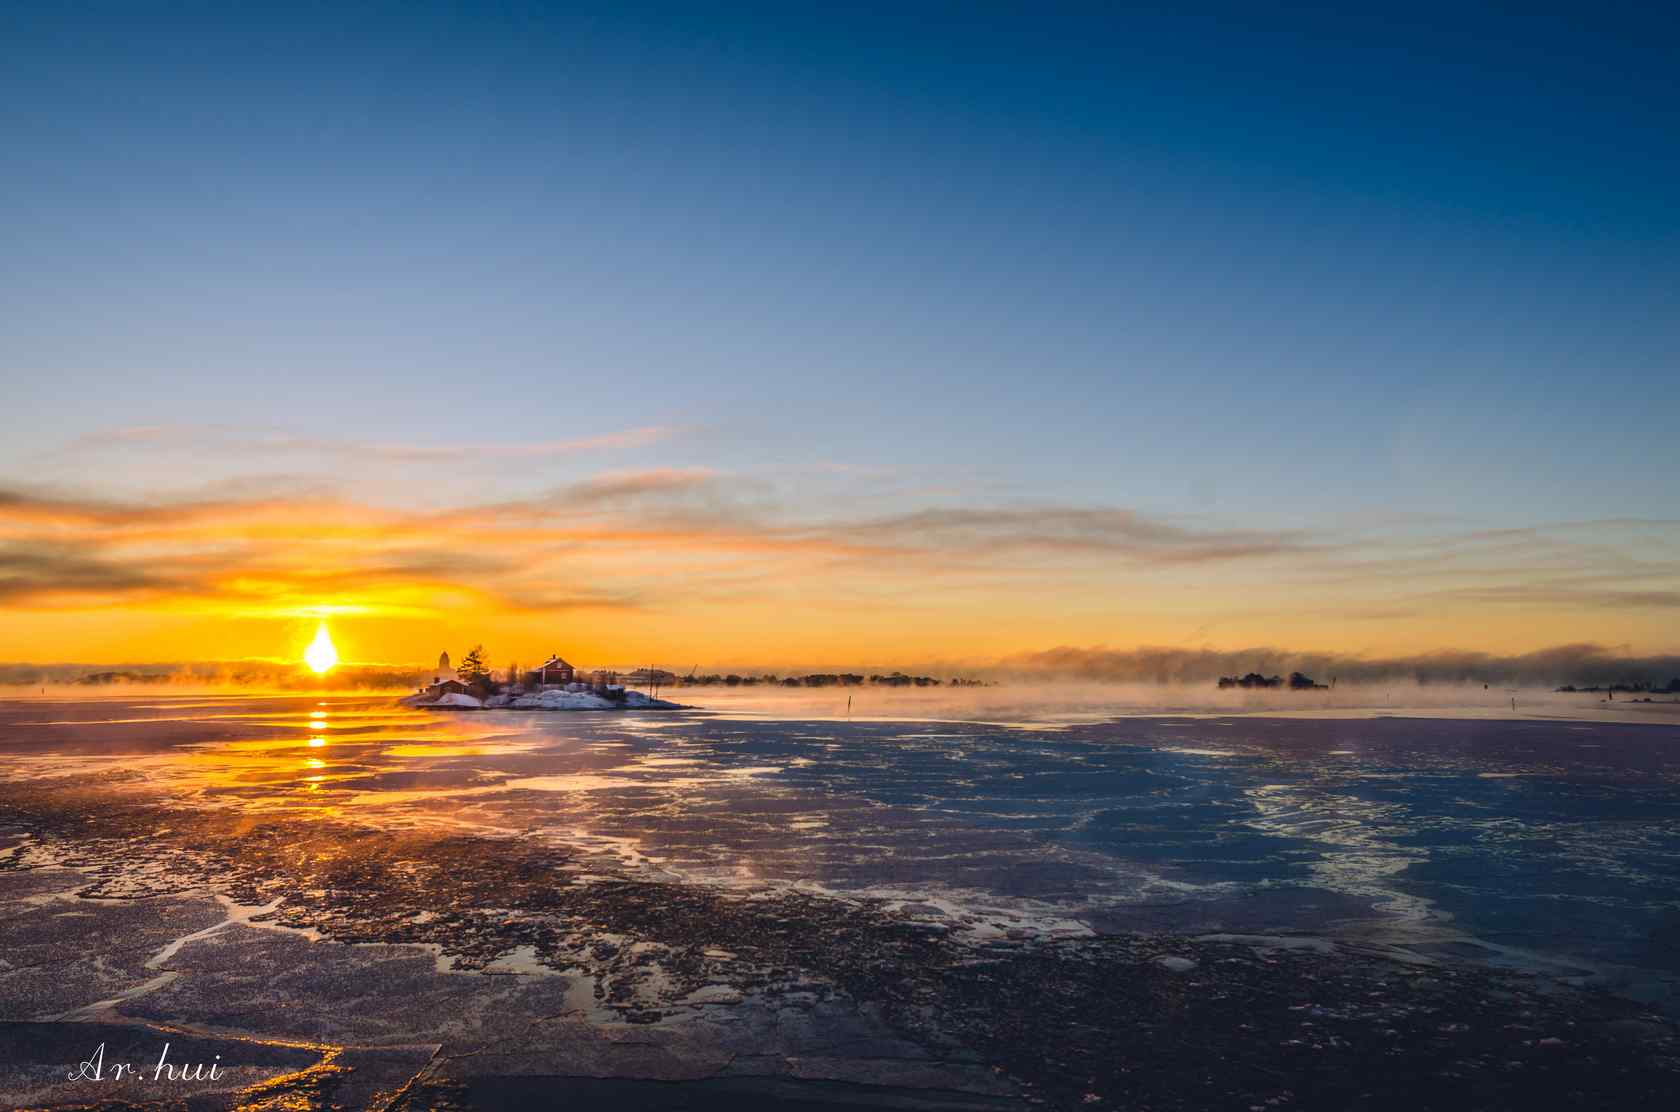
638 699
561 700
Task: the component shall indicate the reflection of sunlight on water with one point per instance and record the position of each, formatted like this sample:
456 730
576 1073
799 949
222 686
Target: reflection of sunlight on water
487 749
1357 857
573 782
934 809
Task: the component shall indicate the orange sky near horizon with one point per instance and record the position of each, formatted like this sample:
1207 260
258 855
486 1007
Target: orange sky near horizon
760 636
664 567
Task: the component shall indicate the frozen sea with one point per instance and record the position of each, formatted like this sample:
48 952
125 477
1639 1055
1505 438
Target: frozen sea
1539 842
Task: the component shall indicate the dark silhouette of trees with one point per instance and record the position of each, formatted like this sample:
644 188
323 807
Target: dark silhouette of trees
1252 679
473 669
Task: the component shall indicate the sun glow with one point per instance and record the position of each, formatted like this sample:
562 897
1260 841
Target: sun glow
321 655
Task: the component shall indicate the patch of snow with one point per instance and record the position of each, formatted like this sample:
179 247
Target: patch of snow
585 700
552 698
713 994
639 699
561 700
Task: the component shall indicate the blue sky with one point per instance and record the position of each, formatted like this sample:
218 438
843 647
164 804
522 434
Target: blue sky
1427 257
1255 268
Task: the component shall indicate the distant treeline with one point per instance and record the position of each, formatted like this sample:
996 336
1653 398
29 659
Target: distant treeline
1672 687
1296 682
1583 663
822 679
283 676
124 677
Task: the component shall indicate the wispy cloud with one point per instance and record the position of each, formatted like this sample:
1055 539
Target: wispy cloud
1550 594
655 540
30 571
619 487
624 530
1075 530
223 439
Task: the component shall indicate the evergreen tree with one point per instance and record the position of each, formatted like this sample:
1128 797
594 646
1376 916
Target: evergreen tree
473 669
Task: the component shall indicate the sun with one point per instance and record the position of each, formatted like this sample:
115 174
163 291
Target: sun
321 655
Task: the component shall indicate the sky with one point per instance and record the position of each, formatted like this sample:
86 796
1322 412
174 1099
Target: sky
792 334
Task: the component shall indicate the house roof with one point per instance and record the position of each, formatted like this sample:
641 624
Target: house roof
552 662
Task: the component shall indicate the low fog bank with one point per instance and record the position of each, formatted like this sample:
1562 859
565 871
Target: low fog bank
262 675
1019 701
1071 701
1582 665
1064 683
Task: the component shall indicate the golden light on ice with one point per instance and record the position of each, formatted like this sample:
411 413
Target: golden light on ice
320 655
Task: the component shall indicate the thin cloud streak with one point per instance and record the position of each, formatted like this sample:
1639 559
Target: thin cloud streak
220 439
1081 531
628 523
616 488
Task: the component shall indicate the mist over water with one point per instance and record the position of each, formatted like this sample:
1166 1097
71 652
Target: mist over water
1053 700
1044 699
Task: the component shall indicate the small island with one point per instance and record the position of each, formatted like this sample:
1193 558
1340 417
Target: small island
557 685
1296 682
552 685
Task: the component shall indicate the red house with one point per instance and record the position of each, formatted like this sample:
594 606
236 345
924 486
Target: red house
551 671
